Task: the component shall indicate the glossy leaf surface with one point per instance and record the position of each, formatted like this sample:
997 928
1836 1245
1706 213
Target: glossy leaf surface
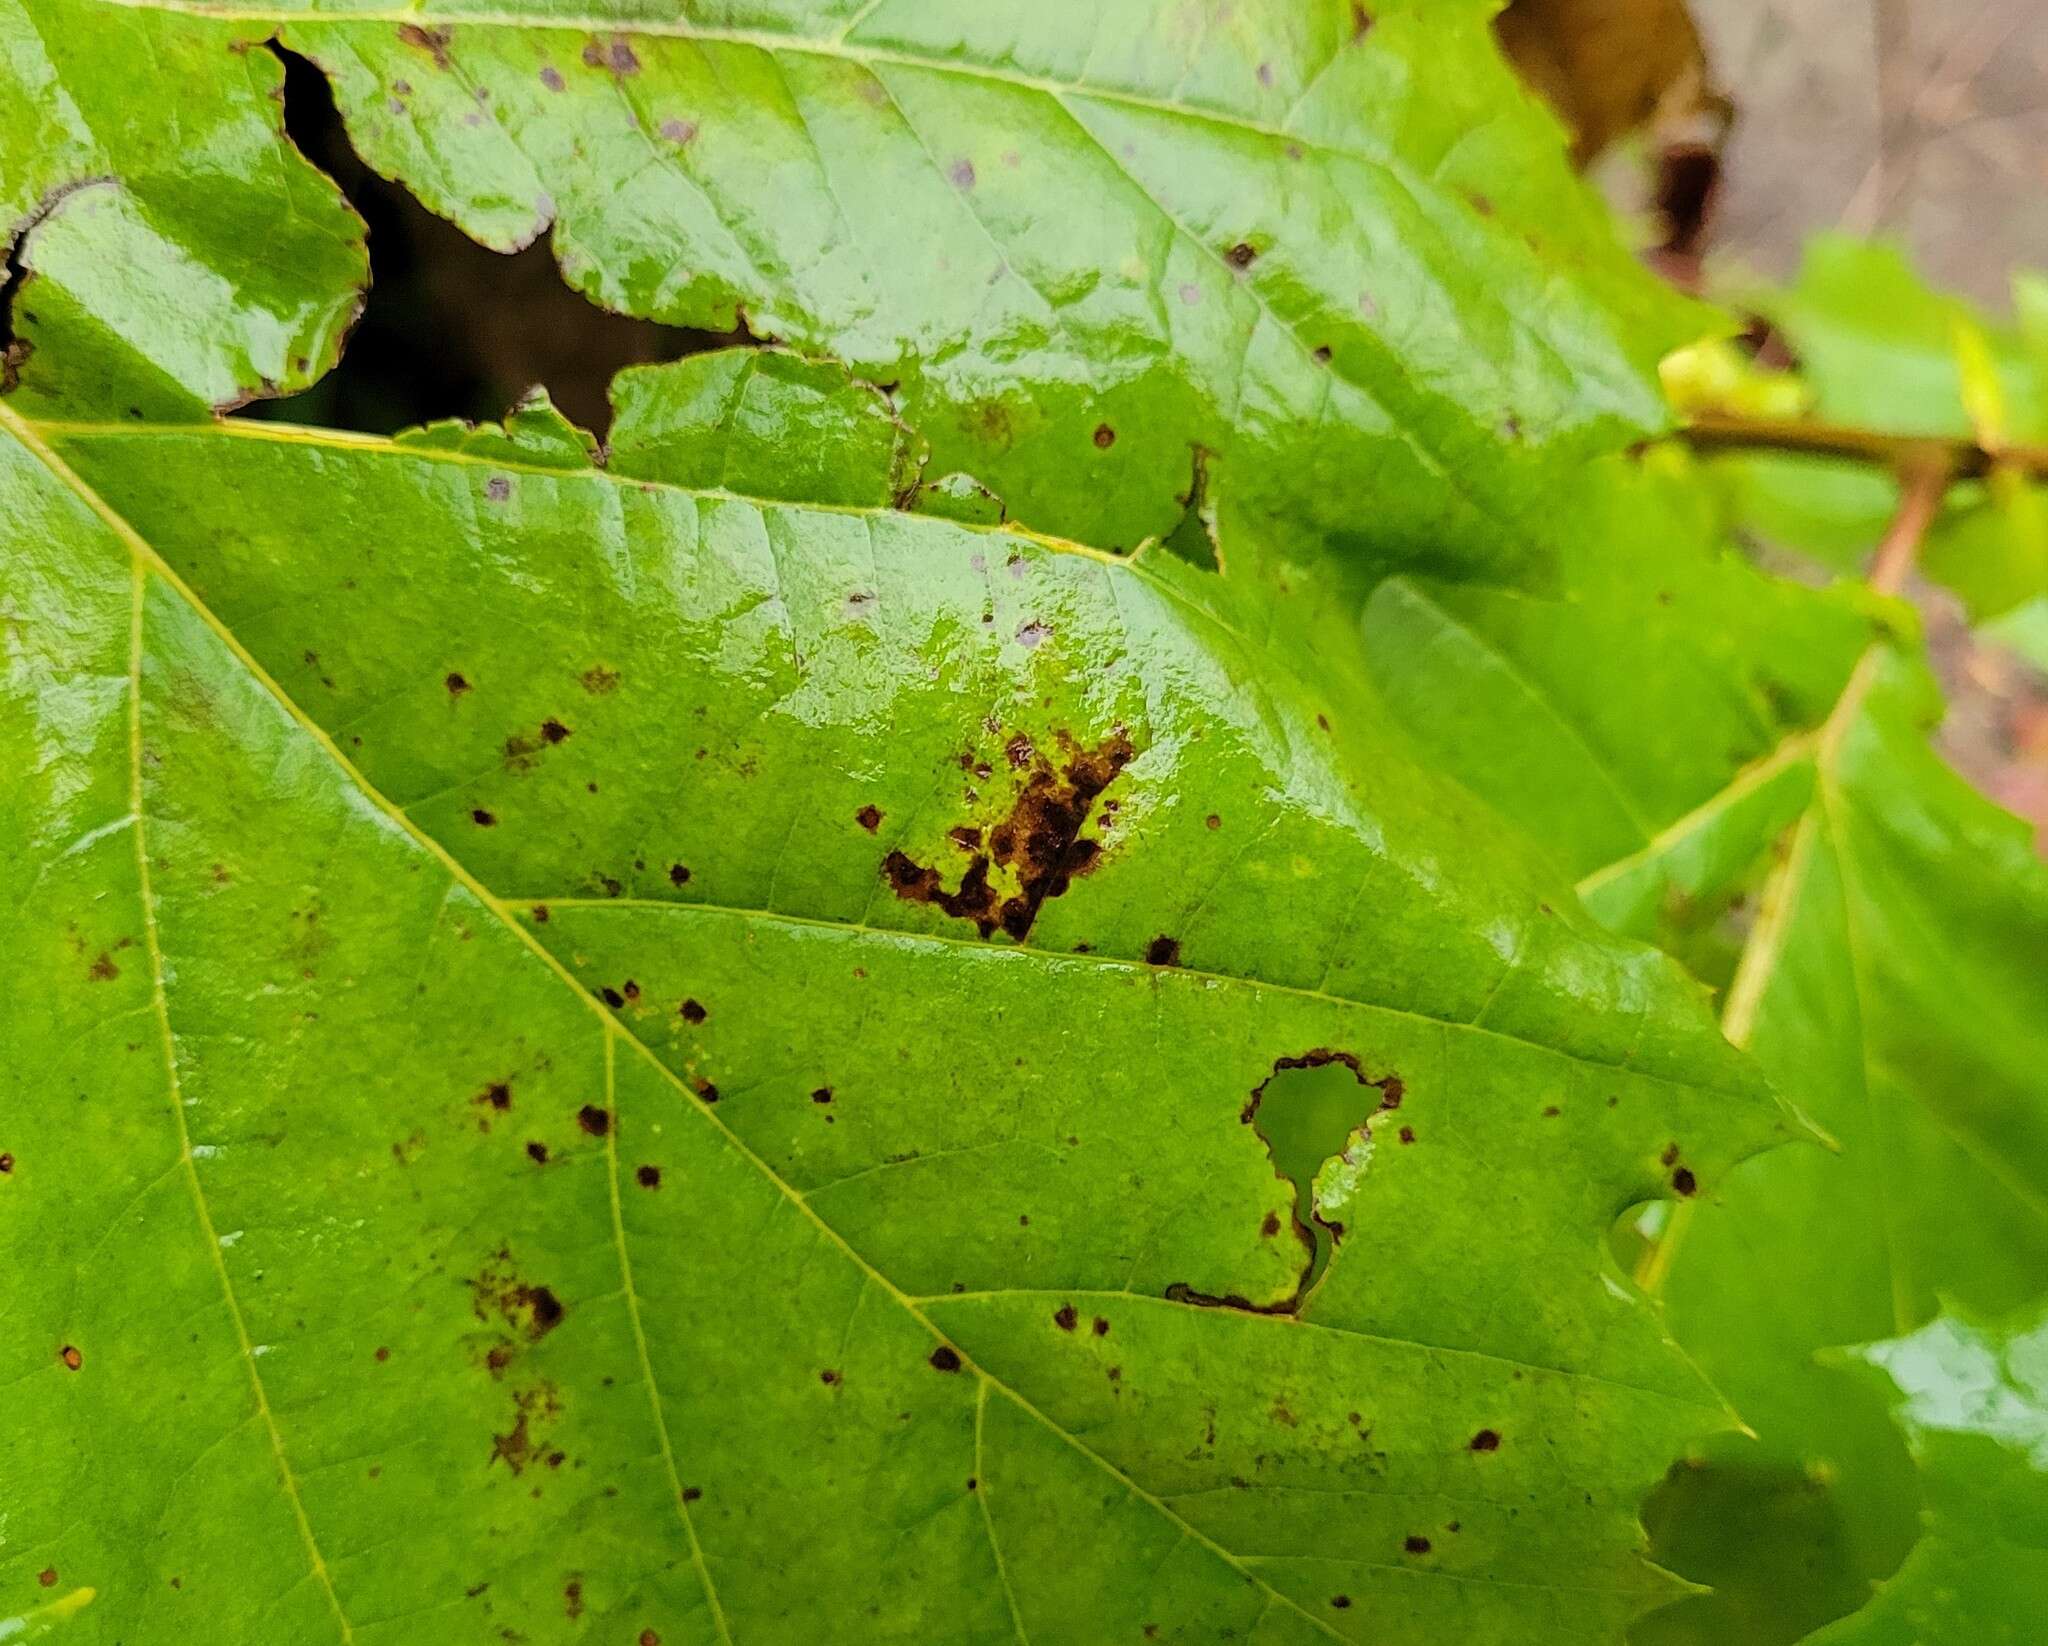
1081 240
508 1048
1972 1397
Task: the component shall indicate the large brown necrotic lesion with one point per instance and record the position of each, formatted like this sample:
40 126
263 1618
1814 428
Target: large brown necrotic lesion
1032 853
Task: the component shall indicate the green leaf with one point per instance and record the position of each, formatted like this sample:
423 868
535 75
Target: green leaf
508 1048
1080 240
1663 669
1738 767
1889 988
177 254
1972 1397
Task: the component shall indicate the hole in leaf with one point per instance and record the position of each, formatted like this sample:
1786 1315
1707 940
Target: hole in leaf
1193 538
1306 1116
450 328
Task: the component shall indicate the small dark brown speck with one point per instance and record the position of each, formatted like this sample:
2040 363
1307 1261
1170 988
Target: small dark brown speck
648 1177
693 1012
944 1359
594 1120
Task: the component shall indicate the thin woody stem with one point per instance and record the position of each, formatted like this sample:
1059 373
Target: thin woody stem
1963 459
1923 483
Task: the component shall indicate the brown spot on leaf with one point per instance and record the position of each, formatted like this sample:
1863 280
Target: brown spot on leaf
822 1095
1487 1440
678 131
1361 21
1242 255
538 1153
1683 1181
6 1164
599 680
103 968
869 817
551 77
433 41
1101 1327
553 731
1415 1545
961 173
1039 842
692 1012
648 1177
594 1120
828 1377
1163 951
71 1357
1065 1317
483 819
1105 436
944 1359
456 683
530 1407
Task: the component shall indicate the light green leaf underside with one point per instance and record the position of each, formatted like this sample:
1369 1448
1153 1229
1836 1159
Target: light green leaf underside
297 1023
1972 1397
1080 239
